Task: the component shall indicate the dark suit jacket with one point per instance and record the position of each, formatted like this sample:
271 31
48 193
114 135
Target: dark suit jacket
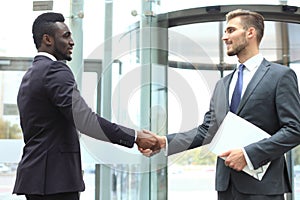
271 102
51 111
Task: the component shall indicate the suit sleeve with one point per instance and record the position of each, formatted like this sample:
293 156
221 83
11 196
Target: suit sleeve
287 103
63 93
196 137
203 134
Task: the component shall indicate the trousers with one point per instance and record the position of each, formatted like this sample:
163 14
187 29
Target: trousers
60 196
232 194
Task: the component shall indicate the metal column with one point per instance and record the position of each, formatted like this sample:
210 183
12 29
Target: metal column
76 63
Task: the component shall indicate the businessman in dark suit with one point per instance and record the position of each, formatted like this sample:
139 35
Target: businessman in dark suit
269 99
51 111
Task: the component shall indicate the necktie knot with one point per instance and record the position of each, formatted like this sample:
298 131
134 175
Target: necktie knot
241 67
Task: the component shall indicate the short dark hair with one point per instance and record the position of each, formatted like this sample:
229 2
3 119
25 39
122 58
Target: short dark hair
45 24
249 19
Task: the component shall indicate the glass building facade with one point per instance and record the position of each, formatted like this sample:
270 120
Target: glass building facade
145 64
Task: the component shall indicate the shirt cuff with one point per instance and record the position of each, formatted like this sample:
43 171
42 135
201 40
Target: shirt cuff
249 163
166 148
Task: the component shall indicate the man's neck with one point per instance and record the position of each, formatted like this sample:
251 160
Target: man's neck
244 57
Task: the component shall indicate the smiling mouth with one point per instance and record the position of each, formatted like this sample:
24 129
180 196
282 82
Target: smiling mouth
228 45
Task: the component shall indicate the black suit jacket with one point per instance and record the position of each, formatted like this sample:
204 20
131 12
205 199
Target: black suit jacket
271 102
51 111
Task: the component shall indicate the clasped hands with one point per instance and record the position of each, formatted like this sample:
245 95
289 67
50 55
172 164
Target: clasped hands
149 143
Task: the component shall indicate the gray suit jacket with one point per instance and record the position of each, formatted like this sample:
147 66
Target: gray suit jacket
271 102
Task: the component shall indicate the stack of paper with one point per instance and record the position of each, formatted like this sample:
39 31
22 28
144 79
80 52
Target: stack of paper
235 132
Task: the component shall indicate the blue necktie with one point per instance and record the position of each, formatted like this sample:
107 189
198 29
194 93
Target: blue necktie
237 93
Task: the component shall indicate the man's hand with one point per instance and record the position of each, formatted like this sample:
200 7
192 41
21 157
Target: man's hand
147 140
235 159
150 152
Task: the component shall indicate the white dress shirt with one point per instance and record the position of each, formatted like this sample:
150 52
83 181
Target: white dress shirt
47 55
250 68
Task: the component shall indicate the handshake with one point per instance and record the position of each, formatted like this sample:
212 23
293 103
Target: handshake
149 143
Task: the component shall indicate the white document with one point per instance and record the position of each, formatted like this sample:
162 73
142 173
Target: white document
235 132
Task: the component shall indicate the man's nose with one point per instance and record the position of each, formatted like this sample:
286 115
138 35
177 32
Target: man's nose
72 42
225 37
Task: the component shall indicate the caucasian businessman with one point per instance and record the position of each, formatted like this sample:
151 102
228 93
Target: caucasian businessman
261 92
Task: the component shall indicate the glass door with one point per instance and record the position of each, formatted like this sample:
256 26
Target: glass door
133 93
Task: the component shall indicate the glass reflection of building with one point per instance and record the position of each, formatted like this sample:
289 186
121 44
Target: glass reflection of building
144 64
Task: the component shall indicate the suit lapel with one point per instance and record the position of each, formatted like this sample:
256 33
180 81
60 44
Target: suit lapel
257 77
227 81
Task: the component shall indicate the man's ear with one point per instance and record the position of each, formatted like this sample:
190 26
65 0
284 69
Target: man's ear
47 40
251 32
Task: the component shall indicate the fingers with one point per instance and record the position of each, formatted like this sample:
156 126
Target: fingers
234 159
147 140
149 143
147 132
161 139
225 154
148 152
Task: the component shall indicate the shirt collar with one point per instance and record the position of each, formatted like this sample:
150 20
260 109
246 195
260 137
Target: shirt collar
48 55
253 62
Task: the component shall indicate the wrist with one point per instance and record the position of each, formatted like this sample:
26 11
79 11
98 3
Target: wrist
162 141
137 138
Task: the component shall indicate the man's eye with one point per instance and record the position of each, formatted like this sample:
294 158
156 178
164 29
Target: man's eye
230 30
67 35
